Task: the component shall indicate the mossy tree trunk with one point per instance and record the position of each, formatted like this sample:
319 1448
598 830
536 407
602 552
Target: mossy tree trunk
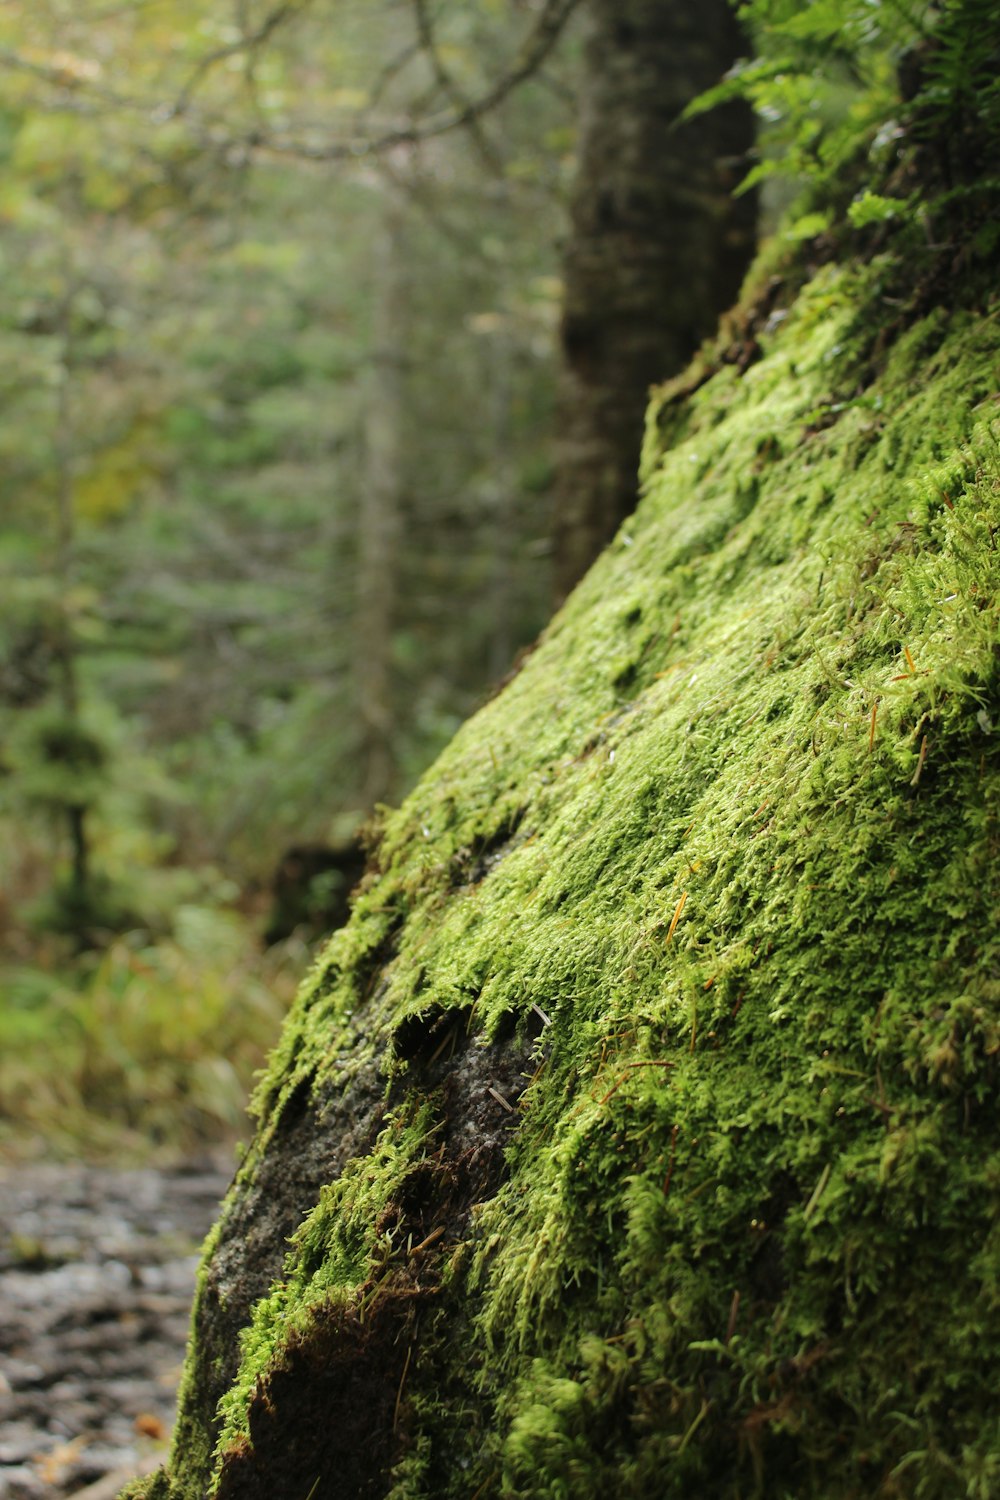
637 1135
657 247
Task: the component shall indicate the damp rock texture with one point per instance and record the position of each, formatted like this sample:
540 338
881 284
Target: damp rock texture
97 1269
637 1136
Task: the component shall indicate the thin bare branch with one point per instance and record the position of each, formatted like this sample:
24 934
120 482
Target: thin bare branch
61 77
449 88
391 72
543 38
212 131
246 45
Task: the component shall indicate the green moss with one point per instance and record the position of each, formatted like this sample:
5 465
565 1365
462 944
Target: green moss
733 831
153 1487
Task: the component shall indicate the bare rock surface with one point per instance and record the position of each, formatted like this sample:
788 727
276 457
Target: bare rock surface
97 1270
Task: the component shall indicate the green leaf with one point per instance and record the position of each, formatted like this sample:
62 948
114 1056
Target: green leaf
872 208
808 227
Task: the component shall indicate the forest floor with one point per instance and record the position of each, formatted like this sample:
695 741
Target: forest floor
97 1269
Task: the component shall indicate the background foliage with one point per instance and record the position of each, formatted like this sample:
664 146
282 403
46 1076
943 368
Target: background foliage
189 324
191 316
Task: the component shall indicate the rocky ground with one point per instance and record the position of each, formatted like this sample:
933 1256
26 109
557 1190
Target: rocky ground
97 1271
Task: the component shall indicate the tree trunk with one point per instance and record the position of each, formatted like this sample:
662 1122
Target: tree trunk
378 527
638 1135
64 644
653 1082
501 525
657 249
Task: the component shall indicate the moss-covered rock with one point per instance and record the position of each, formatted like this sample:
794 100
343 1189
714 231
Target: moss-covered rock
638 1136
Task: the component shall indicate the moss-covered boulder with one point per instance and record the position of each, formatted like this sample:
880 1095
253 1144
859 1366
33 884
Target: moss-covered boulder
639 1134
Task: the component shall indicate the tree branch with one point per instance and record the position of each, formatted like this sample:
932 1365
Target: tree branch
247 44
462 115
390 72
449 88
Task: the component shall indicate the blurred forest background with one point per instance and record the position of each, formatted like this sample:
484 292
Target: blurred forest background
274 478
280 326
